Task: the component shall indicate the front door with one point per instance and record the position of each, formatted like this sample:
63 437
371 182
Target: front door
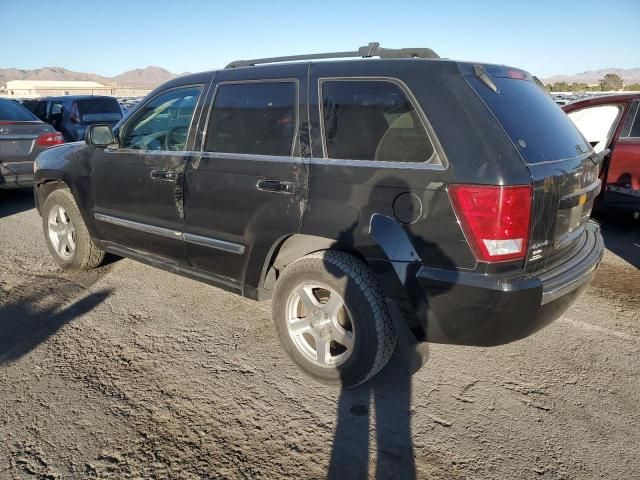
622 179
246 190
138 185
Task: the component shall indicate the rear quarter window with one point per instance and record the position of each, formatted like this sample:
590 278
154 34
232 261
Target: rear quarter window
538 128
365 119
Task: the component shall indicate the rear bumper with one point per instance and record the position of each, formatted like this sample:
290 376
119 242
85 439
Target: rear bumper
16 174
467 308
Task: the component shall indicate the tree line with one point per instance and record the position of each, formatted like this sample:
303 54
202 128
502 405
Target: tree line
609 82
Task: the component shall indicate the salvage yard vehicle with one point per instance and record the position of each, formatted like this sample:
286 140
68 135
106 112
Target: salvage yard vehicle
22 137
72 114
456 195
611 124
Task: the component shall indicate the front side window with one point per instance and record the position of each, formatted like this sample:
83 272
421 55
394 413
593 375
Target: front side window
372 120
163 123
253 118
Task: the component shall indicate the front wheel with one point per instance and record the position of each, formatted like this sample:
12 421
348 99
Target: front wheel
66 235
332 318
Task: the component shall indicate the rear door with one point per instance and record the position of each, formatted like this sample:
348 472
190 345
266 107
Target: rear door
561 162
622 178
246 188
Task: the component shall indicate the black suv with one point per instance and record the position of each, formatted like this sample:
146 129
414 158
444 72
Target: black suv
72 114
456 195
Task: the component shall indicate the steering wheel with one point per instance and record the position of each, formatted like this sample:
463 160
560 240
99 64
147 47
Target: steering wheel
176 137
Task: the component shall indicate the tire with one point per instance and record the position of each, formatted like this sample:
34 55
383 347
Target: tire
348 347
66 234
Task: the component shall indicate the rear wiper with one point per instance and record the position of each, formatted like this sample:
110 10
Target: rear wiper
482 74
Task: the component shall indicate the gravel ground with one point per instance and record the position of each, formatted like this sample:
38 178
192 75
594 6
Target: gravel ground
132 372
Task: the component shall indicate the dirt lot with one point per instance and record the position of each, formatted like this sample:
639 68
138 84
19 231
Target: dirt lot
131 372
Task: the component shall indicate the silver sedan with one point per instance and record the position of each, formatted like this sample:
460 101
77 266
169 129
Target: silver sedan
22 137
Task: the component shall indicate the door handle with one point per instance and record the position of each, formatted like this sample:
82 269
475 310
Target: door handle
164 175
277 186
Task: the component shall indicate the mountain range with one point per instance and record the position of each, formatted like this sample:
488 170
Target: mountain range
591 77
151 76
148 77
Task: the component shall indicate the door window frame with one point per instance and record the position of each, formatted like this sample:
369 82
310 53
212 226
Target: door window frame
296 132
629 122
438 152
190 132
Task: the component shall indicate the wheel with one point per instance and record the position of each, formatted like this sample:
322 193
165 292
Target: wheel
66 234
332 318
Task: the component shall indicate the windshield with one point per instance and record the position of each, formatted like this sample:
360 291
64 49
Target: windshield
538 127
100 109
12 112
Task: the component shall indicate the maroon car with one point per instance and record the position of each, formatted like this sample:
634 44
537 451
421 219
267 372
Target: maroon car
613 122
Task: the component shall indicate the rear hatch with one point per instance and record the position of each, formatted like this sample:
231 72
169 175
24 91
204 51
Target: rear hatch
561 162
97 110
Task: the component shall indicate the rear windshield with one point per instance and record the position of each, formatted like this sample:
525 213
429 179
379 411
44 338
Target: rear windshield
538 127
12 112
100 109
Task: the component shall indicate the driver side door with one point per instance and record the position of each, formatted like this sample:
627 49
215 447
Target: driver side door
137 186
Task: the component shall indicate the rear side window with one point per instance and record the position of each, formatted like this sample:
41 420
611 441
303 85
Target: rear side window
253 118
100 110
538 127
10 111
372 120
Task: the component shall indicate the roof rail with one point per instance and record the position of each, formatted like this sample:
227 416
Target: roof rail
371 50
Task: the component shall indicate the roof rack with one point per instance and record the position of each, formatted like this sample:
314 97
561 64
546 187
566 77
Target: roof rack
371 50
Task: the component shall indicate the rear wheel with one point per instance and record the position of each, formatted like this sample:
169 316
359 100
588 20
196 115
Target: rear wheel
332 318
66 234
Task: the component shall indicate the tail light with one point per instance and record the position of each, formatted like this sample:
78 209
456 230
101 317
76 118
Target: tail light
49 139
75 113
495 219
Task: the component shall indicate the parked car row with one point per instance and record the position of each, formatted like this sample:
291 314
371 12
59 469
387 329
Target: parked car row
455 194
71 114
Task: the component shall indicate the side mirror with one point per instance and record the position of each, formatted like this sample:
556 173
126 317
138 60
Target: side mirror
99 136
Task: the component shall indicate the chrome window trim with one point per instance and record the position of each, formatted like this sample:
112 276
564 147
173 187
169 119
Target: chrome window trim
438 152
174 234
296 132
124 126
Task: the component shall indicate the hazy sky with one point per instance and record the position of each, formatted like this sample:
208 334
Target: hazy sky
109 37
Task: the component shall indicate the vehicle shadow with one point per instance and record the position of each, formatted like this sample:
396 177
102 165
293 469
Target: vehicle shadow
33 311
386 399
621 236
15 201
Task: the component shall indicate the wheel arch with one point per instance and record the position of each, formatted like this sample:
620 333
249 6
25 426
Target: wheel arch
289 248
46 187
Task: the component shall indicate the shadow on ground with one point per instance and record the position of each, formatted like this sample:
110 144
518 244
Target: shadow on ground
387 399
622 236
35 310
15 201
